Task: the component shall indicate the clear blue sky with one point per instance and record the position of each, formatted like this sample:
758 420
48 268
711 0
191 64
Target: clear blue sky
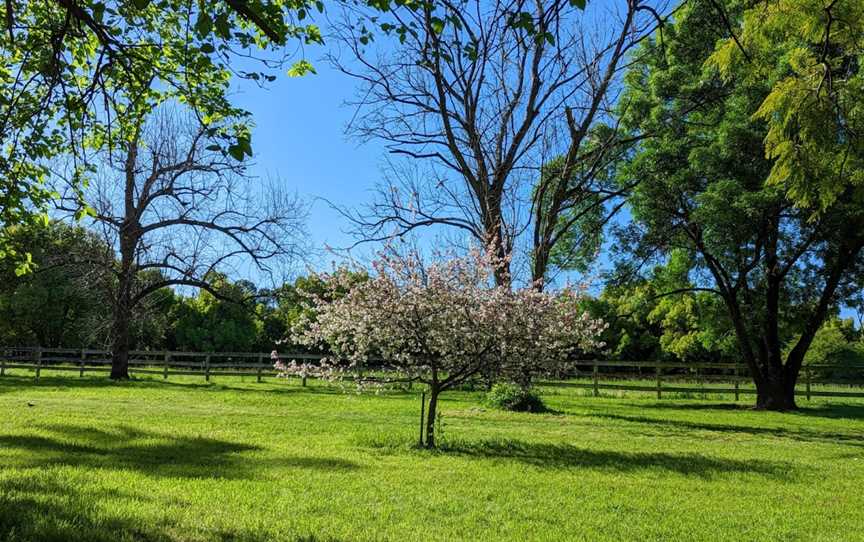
300 138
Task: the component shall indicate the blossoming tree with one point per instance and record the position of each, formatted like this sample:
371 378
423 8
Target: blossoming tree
439 323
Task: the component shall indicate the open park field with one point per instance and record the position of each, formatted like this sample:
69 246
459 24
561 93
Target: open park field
87 459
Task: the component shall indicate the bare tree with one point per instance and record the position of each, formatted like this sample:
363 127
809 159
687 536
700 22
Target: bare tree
178 212
485 93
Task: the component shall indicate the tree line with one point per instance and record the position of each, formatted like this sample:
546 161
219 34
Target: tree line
65 302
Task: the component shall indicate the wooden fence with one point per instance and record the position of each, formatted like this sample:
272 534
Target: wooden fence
595 375
708 378
163 363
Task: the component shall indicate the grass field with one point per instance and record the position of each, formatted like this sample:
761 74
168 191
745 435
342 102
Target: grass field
237 460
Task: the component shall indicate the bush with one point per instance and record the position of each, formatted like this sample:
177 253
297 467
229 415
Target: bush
511 397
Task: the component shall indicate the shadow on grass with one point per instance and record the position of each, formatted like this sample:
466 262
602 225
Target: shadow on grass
827 410
678 428
38 507
151 453
558 456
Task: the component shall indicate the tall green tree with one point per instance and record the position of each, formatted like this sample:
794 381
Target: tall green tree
707 188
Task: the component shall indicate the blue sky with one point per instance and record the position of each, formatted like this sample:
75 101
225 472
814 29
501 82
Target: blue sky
300 139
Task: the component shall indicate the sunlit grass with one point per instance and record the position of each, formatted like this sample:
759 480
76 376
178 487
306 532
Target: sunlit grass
238 460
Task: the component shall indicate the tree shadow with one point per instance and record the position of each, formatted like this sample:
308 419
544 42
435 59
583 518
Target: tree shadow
667 427
564 456
39 508
153 454
826 410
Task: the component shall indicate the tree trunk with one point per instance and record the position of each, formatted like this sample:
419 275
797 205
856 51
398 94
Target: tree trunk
120 343
123 310
430 416
776 391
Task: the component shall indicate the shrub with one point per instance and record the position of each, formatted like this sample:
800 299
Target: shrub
511 397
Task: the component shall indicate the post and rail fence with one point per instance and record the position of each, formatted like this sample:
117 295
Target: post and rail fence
654 377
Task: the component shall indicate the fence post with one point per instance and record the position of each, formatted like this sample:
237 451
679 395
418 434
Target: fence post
659 383
737 381
207 368
807 375
303 382
167 360
3 363
422 416
38 362
260 363
596 383
83 355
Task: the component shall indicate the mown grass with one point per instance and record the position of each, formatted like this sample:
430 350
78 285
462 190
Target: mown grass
84 459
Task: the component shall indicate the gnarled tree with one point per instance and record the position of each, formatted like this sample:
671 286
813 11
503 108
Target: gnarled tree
178 213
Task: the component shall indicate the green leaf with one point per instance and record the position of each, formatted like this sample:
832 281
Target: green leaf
223 29
141 4
236 152
98 12
580 4
203 25
437 25
301 68
24 267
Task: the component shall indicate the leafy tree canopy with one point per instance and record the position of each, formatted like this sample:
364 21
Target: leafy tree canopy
809 53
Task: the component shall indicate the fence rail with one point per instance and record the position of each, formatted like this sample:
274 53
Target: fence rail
595 375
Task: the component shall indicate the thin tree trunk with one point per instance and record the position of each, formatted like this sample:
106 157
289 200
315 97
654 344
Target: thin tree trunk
430 415
120 345
123 310
120 331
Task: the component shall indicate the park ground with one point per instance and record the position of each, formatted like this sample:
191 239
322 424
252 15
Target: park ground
88 460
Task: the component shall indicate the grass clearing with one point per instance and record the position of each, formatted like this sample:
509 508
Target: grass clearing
238 460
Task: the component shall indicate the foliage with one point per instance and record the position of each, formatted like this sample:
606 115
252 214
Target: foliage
580 223
60 304
507 396
837 345
77 76
810 54
206 323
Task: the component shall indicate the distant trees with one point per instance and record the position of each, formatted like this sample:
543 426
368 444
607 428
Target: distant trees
60 302
664 316
440 323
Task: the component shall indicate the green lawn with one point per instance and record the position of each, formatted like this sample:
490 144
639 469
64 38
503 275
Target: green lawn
237 460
